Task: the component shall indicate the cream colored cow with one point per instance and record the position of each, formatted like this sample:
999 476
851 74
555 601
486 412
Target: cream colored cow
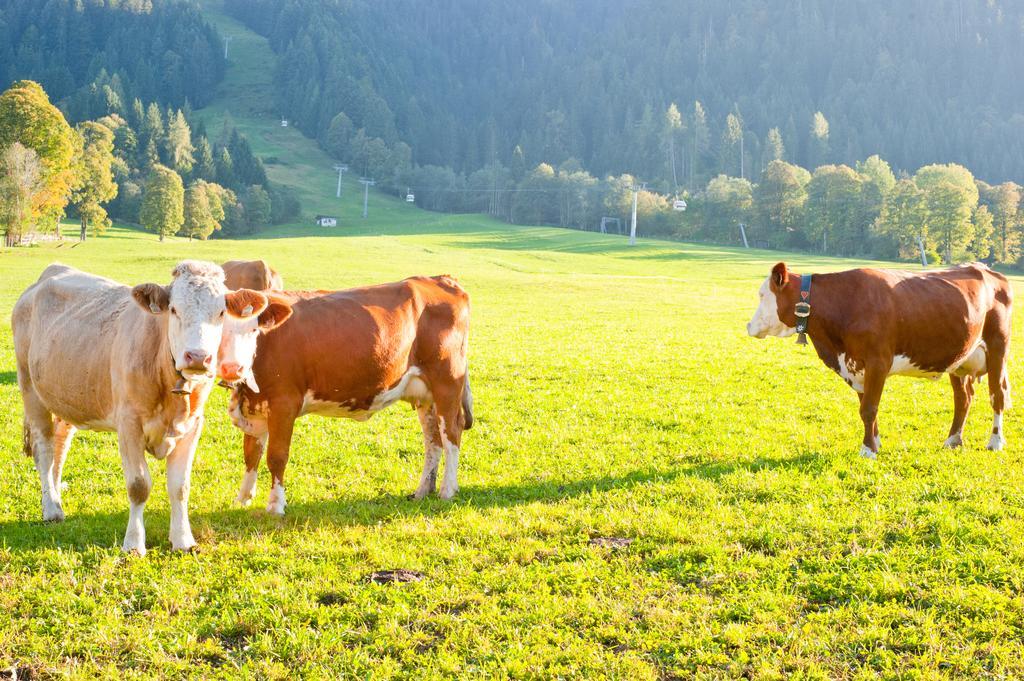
95 354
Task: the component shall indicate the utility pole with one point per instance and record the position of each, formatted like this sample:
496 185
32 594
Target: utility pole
366 192
632 227
342 169
227 41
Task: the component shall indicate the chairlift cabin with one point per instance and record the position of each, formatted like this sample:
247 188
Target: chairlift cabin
679 205
409 196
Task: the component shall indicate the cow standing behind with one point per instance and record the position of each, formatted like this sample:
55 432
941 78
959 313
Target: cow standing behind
94 354
251 274
350 354
867 325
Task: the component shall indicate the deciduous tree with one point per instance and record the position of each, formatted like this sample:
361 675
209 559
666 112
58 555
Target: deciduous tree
163 209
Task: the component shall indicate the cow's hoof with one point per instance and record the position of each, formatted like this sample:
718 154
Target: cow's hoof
275 509
54 514
244 502
996 443
183 543
953 441
448 491
134 548
867 452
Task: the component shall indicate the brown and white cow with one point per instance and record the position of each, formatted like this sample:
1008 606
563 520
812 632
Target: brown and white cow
94 354
868 324
351 354
252 274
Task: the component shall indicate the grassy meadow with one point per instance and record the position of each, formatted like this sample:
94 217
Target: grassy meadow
617 395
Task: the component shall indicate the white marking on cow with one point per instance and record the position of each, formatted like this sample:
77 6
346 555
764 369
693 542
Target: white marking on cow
253 421
955 440
248 489
997 441
238 346
450 483
867 452
410 387
851 371
974 362
904 366
765 321
275 504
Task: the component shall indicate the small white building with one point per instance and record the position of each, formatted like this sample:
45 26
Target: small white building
326 221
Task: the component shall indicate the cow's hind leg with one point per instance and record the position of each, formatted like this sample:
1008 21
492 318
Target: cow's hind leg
432 446
253 449
39 436
280 422
963 394
448 403
998 388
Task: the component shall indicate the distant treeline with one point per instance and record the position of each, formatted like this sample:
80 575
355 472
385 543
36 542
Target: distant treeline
465 83
96 56
865 210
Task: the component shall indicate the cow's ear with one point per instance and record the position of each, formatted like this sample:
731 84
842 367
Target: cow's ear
152 298
245 303
276 314
780 276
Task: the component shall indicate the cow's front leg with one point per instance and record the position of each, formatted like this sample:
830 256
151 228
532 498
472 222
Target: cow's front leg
179 483
998 389
877 438
280 422
137 480
252 447
874 382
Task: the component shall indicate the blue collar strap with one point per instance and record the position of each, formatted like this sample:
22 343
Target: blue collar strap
802 309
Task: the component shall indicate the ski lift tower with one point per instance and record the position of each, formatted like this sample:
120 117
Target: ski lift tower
342 169
367 183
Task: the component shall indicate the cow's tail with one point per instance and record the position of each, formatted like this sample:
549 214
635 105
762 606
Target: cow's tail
467 405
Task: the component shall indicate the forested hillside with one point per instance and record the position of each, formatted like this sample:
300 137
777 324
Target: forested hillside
465 82
97 56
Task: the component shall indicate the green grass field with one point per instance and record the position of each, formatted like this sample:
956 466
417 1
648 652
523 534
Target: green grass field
617 395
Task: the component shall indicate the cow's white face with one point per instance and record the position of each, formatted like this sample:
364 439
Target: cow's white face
238 344
766 320
196 321
238 351
194 304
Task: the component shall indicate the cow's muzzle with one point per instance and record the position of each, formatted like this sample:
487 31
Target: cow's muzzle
196 362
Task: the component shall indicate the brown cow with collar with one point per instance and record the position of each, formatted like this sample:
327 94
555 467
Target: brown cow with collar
868 324
351 354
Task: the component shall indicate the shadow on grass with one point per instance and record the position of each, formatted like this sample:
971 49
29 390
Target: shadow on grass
80 531
8 377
